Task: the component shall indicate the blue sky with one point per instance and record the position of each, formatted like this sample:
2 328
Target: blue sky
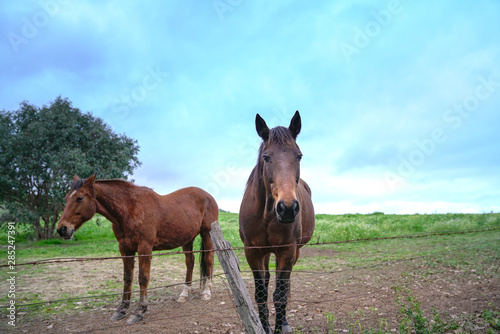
400 100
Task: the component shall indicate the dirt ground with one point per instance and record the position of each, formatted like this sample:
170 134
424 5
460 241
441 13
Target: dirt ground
362 298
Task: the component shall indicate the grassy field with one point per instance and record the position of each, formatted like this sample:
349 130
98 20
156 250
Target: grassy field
477 252
95 238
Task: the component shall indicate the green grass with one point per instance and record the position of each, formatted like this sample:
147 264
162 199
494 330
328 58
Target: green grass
332 228
95 238
411 319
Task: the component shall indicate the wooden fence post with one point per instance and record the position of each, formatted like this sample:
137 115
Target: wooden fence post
229 263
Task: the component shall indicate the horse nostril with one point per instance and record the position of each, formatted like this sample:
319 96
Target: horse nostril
62 231
281 208
285 213
295 207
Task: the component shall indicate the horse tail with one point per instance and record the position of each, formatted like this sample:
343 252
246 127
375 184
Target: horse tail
203 265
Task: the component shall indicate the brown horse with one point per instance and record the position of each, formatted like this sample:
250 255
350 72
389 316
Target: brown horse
276 216
144 221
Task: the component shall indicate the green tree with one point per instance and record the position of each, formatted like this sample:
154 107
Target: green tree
41 149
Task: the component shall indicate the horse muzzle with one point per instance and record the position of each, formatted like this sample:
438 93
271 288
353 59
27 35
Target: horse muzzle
65 232
286 213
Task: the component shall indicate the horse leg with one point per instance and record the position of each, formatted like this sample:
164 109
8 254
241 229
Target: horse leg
144 252
128 273
207 263
284 267
260 269
187 248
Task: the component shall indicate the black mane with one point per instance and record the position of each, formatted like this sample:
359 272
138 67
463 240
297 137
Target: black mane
78 184
281 135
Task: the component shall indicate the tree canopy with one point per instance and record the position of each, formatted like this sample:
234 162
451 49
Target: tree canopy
41 149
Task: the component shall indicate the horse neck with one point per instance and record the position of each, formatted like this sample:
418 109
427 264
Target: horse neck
111 201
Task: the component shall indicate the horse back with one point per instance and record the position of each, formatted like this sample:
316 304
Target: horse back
193 201
170 221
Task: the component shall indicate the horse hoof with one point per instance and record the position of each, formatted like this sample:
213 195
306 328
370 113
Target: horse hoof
286 330
182 299
206 296
117 316
134 319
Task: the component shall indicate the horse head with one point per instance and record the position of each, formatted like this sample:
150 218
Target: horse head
81 205
279 162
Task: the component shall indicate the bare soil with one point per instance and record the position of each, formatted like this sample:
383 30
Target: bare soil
362 296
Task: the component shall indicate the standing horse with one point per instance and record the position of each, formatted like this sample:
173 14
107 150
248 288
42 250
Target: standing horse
276 216
144 221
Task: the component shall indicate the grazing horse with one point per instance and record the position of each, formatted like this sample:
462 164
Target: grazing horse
276 216
143 222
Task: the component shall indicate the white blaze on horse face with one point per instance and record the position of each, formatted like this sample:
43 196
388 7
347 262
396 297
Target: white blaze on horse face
72 194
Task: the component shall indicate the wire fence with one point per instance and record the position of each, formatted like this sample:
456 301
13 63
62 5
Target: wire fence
318 243
311 311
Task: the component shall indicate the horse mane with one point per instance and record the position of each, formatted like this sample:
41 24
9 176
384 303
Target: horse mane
279 135
282 136
80 182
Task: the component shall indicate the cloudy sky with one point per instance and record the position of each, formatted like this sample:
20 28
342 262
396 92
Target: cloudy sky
400 100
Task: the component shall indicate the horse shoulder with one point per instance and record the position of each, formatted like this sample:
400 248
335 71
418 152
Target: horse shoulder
253 228
144 211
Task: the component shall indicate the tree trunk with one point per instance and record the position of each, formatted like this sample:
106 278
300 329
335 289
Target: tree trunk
38 228
48 227
55 220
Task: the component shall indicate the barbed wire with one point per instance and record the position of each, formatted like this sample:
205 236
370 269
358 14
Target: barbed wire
219 309
123 325
405 259
318 243
109 294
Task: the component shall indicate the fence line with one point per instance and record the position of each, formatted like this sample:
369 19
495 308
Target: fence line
405 259
290 301
109 294
220 308
410 236
122 325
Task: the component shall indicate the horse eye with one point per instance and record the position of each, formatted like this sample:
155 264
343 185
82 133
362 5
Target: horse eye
266 158
299 157
79 199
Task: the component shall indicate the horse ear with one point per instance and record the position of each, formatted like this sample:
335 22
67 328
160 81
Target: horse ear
90 181
261 127
75 178
295 125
